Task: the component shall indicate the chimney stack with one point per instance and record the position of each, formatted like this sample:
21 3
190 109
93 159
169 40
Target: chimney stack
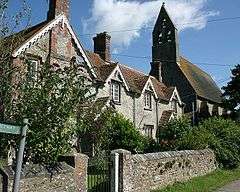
102 46
58 7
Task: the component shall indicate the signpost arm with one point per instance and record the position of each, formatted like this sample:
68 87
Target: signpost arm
20 156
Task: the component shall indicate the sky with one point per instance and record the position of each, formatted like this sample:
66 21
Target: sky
212 46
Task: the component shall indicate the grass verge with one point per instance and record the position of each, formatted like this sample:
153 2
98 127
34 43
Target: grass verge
2 162
206 183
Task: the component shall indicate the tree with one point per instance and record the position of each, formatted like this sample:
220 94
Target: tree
9 24
51 102
218 134
232 90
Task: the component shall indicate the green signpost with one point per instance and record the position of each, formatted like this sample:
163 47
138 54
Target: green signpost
22 131
10 129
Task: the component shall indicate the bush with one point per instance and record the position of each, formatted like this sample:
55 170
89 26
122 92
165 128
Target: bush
111 131
172 131
223 136
122 134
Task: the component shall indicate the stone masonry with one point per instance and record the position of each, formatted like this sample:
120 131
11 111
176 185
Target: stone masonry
145 172
38 178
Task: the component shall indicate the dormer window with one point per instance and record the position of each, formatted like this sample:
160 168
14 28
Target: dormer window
115 91
148 100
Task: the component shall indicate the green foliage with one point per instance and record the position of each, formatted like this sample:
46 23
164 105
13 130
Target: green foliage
50 103
51 107
172 131
112 131
232 92
124 135
10 21
223 136
208 183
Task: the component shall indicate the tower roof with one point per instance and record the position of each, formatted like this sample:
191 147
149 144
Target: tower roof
163 14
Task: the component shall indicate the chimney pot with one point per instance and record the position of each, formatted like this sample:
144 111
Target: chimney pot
102 44
58 7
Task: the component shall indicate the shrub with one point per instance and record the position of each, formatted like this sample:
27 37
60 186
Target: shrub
172 131
112 131
223 136
123 134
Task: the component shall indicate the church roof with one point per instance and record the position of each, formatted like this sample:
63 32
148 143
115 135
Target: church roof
201 82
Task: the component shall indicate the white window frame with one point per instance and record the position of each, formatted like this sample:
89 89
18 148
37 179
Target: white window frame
148 130
148 100
116 92
33 69
174 105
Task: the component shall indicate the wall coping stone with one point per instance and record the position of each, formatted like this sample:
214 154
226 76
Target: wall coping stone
121 151
36 170
169 154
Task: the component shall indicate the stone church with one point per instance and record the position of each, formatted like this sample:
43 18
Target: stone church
148 100
197 89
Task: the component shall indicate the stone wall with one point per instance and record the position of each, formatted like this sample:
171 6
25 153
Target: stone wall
63 178
145 172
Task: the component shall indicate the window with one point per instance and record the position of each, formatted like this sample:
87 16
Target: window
174 105
115 92
148 100
33 69
148 130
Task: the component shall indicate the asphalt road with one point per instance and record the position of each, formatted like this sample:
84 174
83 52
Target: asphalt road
231 187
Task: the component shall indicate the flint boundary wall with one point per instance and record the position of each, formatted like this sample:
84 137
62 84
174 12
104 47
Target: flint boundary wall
146 172
38 178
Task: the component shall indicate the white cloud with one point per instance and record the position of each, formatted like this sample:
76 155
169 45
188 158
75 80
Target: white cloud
117 15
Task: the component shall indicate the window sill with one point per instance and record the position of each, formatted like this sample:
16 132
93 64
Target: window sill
116 103
147 109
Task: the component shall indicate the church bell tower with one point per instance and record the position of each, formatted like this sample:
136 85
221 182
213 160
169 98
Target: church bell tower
165 47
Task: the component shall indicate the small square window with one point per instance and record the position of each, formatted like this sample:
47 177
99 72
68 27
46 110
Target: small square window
115 92
148 100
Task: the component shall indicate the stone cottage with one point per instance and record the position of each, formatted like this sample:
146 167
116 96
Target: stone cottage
197 89
140 97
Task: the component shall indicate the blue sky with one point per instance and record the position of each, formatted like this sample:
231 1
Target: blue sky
215 43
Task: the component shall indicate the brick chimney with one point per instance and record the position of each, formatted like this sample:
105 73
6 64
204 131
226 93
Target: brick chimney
58 7
102 46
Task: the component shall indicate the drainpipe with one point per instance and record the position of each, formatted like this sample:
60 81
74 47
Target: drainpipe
134 110
157 120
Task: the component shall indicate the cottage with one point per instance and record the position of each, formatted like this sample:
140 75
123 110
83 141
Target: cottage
140 97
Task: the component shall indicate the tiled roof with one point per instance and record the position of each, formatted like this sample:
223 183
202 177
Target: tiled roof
102 68
95 58
166 115
20 37
201 82
169 92
160 89
135 80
